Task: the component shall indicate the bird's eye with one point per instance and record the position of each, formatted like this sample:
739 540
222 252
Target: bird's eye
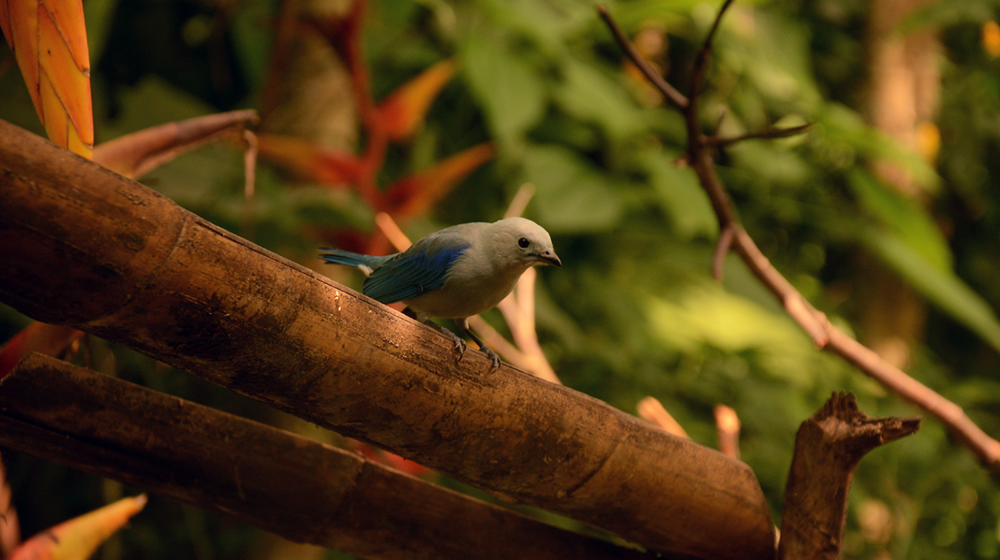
523 243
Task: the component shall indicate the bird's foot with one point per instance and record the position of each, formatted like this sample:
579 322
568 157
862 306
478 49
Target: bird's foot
492 356
459 343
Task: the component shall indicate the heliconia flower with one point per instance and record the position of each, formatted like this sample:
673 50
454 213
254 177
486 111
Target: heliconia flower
49 40
78 538
403 110
420 191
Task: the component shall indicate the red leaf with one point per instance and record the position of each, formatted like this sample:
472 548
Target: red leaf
309 161
403 110
79 537
43 338
415 194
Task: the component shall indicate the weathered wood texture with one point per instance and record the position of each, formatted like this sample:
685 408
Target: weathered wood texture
89 248
300 489
828 445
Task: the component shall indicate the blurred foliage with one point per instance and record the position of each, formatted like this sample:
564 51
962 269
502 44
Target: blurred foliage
634 311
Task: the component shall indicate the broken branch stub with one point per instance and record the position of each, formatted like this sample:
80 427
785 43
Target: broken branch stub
828 446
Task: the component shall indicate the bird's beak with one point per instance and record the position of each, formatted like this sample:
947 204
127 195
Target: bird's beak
550 257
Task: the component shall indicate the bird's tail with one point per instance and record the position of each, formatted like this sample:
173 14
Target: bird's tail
366 263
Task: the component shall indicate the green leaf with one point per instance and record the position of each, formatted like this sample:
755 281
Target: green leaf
839 124
509 89
941 287
680 195
589 94
572 197
707 315
945 14
912 223
546 24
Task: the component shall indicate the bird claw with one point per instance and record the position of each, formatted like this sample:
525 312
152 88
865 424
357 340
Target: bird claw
460 346
493 357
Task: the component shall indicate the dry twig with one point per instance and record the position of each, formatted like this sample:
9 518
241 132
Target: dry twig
727 427
652 410
733 237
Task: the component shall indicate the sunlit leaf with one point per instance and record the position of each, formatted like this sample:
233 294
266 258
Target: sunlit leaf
39 337
940 286
309 161
78 538
403 110
419 192
49 41
710 316
135 154
840 124
912 223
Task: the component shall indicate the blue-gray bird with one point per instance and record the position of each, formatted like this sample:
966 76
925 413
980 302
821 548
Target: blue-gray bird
455 273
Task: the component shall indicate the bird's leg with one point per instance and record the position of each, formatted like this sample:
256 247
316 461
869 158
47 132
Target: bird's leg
463 325
459 343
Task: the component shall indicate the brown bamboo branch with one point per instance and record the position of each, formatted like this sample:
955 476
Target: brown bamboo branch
828 446
300 489
86 247
815 323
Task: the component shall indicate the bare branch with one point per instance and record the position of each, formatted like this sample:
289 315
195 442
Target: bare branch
675 97
701 61
722 250
815 323
520 201
768 134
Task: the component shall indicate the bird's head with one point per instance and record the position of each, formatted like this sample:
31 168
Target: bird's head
525 242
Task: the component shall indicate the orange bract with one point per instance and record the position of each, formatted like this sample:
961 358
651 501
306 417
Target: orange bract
49 40
77 538
404 109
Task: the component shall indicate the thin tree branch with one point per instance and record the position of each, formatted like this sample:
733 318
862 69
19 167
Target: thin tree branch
136 269
300 489
722 249
815 323
701 60
768 134
675 97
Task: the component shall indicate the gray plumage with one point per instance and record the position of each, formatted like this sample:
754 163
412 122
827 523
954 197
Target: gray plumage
456 272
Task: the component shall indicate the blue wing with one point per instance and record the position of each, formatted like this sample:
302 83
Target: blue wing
422 267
